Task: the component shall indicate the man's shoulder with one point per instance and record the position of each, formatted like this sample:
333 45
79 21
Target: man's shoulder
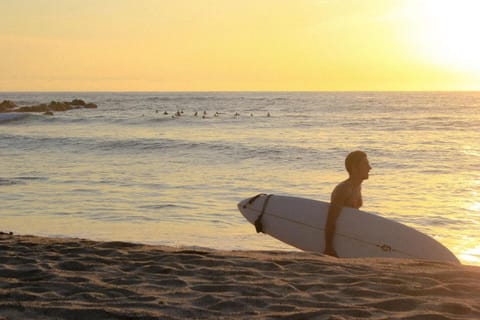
342 190
343 186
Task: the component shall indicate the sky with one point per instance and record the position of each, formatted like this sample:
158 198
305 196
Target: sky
233 45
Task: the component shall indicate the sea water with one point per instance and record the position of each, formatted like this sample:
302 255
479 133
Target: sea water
133 170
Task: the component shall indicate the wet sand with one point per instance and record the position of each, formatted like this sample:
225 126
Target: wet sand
50 278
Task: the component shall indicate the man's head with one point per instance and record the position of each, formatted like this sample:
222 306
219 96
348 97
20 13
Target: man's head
357 164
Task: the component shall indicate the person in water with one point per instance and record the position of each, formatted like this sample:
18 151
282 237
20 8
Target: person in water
346 194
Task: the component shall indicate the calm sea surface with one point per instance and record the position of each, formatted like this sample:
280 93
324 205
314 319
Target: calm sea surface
127 171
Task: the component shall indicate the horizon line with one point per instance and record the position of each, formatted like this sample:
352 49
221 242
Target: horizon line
232 91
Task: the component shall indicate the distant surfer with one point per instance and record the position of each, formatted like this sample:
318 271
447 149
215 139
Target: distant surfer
346 194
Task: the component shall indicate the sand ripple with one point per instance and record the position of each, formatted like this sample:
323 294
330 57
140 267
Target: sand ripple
43 278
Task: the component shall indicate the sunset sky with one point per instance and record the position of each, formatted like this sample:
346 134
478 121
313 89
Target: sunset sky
231 45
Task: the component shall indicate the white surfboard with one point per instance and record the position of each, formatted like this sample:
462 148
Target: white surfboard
301 223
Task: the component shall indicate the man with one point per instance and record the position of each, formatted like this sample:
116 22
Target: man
346 194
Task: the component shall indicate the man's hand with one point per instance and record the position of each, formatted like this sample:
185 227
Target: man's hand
331 252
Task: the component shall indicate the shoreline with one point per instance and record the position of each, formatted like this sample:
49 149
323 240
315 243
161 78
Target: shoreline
67 278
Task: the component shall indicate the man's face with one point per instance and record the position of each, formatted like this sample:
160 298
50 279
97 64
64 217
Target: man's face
364 168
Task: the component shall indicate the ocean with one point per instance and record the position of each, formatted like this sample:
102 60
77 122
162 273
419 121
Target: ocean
132 170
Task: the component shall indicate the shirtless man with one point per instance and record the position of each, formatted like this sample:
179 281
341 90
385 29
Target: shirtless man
346 194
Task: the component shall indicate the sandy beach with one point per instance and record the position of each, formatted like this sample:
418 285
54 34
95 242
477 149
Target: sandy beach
50 278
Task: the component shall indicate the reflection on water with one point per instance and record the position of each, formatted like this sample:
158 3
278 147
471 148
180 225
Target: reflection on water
127 172
470 253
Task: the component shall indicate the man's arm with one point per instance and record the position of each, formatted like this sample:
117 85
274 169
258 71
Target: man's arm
330 226
336 204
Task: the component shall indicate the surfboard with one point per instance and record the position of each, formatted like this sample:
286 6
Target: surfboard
300 222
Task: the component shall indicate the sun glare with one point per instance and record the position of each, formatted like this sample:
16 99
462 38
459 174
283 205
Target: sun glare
447 31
